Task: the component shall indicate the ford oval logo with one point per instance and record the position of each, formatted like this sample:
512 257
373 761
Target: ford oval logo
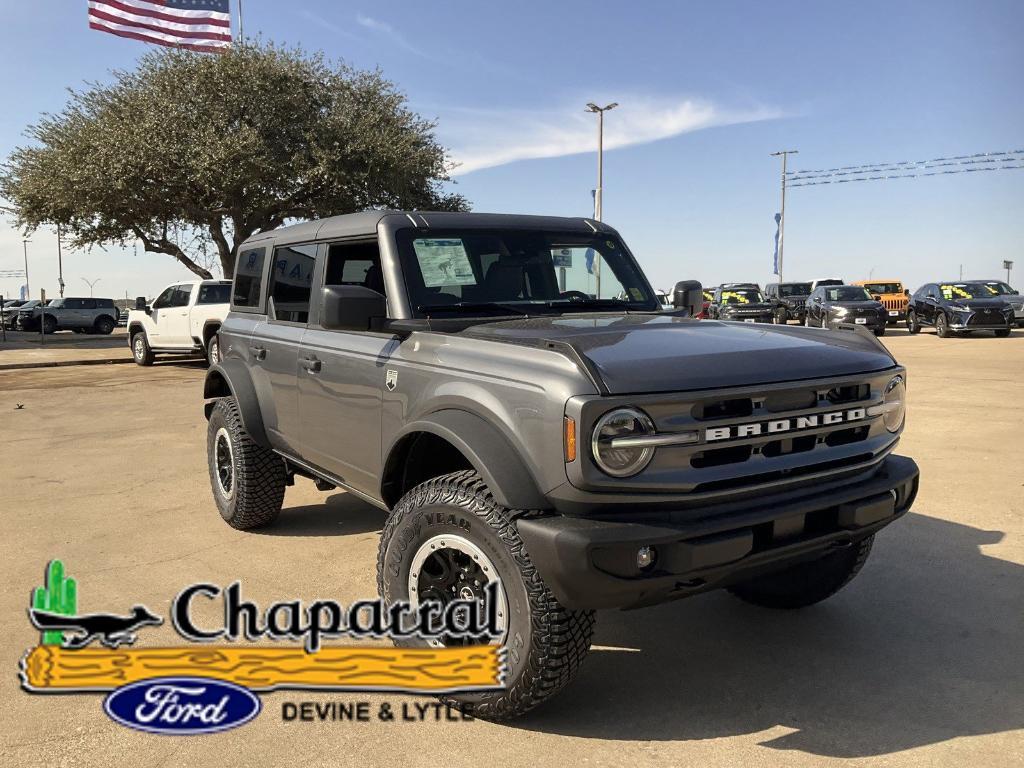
182 705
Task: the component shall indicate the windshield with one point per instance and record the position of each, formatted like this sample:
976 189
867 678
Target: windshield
742 296
1000 289
794 289
884 287
954 291
519 271
847 293
56 303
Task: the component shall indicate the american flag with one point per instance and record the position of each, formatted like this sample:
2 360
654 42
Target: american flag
199 25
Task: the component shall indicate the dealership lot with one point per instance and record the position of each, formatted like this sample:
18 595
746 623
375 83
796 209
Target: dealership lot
917 662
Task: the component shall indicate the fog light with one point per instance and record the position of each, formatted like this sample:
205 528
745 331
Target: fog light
645 557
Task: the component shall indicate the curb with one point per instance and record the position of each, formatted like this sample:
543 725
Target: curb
62 363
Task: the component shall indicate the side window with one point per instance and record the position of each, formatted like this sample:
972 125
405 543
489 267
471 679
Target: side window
248 282
88 303
164 299
73 303
354 264
181 295
214 293
291 281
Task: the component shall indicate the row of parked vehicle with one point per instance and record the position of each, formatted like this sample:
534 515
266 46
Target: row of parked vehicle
950 307
81 315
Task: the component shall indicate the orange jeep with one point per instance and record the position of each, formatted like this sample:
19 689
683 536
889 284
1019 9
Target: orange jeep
892 295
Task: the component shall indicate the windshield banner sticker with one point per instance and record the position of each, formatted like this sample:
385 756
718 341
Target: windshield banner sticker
443 261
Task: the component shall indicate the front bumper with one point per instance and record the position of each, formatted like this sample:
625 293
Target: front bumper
590 562
875 322
760 317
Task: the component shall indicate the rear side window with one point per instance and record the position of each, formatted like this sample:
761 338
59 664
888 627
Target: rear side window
248 285
105 303
181 296
291 283
219 293
88 303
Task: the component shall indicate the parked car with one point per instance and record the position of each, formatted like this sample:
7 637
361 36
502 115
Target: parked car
10 311
26 318
708 297
831 305
545 453
958 307
183 320
790 300
892 294
80 314
741 301
1010 295
815 284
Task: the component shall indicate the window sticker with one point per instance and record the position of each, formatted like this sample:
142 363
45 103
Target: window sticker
739 297
443 261
561 257
954 292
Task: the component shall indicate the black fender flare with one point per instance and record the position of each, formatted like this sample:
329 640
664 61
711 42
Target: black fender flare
207 325
487 450
230 378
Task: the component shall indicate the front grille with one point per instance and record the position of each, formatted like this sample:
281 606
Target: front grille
750 436
986 317
898 304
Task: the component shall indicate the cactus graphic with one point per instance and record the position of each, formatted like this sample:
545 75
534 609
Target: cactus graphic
59 595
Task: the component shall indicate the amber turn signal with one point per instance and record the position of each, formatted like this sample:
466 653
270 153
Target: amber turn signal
570 439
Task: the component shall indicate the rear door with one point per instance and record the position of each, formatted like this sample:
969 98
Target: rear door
274 344
342 375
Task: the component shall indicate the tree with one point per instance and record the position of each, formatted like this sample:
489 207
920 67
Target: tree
192 148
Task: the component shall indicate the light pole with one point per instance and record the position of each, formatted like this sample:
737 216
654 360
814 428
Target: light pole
60 265
782 212
91 283
599 192
1007 265
24 245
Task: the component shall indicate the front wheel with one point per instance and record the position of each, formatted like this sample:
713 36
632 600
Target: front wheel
140 349
448 538
780 317
49 324
1002 333
942 327
806 583
248 480
880 331
912 325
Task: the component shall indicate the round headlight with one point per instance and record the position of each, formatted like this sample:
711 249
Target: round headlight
617 424
895 394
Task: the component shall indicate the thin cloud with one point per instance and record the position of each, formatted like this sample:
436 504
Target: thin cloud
488 138
385 29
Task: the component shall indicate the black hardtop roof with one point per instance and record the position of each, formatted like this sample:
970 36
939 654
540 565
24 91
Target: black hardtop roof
365 223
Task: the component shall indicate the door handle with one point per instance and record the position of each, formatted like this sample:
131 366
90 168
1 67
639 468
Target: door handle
311 364
258 352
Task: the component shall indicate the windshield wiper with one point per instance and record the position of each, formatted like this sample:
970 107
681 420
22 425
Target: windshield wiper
599 303
471 306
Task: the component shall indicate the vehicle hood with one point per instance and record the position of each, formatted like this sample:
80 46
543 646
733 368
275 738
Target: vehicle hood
629 354
855 305
758 306
978 303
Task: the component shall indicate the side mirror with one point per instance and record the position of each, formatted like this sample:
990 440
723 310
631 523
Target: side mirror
817 299
140 304
689 295
351 307
906 291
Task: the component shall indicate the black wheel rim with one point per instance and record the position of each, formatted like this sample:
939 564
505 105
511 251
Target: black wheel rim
224 464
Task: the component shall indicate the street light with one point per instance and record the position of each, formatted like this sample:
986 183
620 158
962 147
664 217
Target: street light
24 245
599 192
91 284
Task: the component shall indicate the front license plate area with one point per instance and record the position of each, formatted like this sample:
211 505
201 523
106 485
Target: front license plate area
860 320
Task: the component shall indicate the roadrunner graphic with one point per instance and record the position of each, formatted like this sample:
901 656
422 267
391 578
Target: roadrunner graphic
111 630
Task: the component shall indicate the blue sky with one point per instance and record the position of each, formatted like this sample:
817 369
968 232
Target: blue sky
707 91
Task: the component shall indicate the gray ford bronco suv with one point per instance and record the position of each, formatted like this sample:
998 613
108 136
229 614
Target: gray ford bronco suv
509 390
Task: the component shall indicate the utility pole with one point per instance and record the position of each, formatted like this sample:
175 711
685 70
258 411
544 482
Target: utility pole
599 192
60 265
91 284
241 37
782 212
24 245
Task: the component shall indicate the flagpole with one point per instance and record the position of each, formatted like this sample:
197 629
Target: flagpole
782 214
241 37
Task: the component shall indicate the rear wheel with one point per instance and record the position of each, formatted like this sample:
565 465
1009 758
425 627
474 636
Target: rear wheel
942 326
1002 333
448 538
806 583
248 480
213 349
140 349
104 325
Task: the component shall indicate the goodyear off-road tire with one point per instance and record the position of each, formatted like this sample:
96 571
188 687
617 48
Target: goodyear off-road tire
141 352
912 325
942 327
545 642
806 583
247 479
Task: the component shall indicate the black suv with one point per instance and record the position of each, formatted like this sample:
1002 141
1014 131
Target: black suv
833 305
957 307
790 300
743 302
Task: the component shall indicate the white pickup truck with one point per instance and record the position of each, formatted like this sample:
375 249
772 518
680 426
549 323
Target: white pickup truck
183 320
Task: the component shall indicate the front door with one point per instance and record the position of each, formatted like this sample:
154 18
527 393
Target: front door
177 332
342 377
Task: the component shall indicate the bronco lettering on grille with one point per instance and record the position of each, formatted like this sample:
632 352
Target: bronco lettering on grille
779 426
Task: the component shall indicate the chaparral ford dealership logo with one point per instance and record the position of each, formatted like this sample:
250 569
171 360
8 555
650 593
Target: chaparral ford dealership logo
780 426
205 687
